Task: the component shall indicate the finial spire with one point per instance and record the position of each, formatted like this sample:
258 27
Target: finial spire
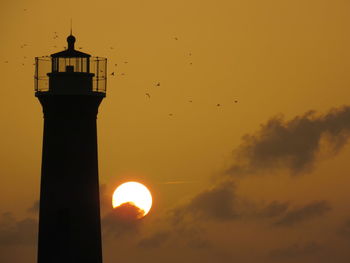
71 38
71 26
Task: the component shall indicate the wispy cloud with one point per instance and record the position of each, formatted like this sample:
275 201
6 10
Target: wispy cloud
292 144
178 182
307 212
295 251
123 219
17 232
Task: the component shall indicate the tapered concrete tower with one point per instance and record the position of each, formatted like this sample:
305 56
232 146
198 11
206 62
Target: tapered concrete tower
70 86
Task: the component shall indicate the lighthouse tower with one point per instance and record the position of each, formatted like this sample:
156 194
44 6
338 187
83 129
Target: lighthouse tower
70 86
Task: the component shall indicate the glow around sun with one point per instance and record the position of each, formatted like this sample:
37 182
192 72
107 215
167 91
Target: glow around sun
134 193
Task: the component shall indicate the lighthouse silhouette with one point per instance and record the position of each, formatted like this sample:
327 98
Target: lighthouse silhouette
70 86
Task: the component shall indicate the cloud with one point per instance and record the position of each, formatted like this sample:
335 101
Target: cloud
274 209
193 236
295 251
154 241
344 230
221 204
13 232
178 182
307 212
217 203
183 226
183 234
105 199
292 144
125 218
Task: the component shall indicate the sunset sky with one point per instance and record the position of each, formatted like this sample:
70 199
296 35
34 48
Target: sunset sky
243 145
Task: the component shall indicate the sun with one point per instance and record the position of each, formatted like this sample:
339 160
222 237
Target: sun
134 193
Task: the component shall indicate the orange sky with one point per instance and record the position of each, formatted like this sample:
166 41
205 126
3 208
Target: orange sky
274 57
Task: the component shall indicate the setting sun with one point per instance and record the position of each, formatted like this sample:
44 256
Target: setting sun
133 193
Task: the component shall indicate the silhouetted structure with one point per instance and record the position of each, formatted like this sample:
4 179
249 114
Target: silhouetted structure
70 86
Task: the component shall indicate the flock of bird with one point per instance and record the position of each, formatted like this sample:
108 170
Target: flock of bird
148 95
190 101
113 73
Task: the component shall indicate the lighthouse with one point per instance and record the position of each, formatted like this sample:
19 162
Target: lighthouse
70 85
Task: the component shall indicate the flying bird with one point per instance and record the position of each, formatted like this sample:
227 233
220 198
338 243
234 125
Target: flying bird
112 74
218 105
147 94
158 84
236 101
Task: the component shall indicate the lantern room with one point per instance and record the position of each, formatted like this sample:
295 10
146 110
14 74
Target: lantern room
70 72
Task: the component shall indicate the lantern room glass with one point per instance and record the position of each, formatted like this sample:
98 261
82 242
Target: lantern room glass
94 65
71 64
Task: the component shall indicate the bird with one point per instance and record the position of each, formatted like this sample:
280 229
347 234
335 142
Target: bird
115 65
218 105
236 101
80 47
112 74
190 63
147 94
158 84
